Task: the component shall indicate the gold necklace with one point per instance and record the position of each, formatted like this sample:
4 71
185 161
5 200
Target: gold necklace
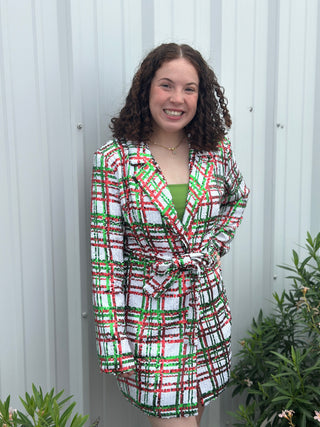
171 149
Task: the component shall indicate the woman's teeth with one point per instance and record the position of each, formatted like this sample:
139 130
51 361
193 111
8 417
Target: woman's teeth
173 113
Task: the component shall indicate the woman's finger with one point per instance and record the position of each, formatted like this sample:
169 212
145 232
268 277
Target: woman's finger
127 374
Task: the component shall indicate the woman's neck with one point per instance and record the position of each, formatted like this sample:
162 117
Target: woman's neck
167 139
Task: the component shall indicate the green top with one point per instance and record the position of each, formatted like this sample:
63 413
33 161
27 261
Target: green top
179 197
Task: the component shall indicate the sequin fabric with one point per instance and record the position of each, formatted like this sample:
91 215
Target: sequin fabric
159 302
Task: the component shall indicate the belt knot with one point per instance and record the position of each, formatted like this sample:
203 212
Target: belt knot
164 269
192 261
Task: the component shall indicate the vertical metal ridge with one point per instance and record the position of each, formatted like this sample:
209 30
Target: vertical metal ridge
13 245
45 191
252 146
315 206
147 17
123 48
216 35
302 145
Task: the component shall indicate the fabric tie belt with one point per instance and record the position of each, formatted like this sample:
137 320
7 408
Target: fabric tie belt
165 268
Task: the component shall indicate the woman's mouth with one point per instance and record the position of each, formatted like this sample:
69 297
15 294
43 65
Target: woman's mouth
173 113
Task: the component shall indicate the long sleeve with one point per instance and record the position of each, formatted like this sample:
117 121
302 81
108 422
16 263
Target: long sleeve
107 261
233 202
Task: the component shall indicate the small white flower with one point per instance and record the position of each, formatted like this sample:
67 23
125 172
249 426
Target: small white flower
287 414
248 382
317 416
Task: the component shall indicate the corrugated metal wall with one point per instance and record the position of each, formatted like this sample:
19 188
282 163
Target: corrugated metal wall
43 196
65 68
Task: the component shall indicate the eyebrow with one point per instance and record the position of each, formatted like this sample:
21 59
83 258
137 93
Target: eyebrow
171 81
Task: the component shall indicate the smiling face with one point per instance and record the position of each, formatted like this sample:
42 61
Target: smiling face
174 95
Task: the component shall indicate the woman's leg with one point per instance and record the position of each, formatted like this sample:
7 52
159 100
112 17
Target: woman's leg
173 422
180 422
200 412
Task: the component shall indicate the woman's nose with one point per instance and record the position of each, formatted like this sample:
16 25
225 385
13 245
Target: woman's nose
176 97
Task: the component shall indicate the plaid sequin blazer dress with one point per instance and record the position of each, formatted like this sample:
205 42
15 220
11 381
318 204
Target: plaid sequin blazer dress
159 304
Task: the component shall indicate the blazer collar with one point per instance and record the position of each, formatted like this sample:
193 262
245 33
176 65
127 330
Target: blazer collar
138 153
201 171
149 176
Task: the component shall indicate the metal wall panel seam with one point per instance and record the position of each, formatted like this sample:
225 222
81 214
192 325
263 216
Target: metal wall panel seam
132 45
216 37
258 114
182 24
91 77
163 21
231 50
147 19
294 131
112 63
97 103
315 201
123 50
242 79
307 119
69 50
202 26
100 18
269 271
100 58
227 80
244 83
257 200
47 235
281 138
171 21
17 378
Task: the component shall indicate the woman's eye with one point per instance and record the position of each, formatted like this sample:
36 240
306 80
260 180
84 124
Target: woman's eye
165 85
190 89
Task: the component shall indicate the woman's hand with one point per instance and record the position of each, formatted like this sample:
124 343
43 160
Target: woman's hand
127 374
219 260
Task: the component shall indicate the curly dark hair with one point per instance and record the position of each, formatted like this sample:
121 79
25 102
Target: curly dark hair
212 119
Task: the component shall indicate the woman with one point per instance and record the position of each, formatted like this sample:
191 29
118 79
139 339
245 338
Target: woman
167 198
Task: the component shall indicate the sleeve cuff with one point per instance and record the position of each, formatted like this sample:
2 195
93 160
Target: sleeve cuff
116 364
119 361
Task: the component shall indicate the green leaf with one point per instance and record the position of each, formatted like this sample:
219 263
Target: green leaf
280 399
294 355
64 401
303 421
4 408
24 420
66 415
55 410
285 359
58 395
29 405
79 421
304 262
315 390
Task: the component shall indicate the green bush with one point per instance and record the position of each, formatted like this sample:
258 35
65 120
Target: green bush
278 365
41 411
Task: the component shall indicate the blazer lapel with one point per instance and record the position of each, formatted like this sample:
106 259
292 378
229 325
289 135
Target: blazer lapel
149 176
201 171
